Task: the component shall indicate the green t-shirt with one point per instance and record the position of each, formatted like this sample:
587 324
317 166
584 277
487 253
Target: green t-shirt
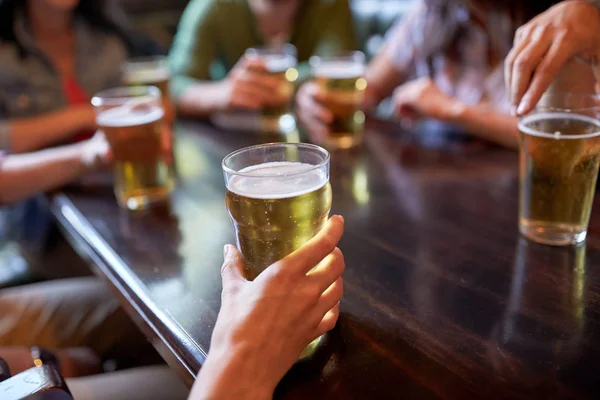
214 34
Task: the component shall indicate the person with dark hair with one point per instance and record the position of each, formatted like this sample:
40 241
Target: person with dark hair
54 55
211 73
455 50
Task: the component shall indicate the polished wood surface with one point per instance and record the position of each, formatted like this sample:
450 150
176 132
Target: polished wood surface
443 299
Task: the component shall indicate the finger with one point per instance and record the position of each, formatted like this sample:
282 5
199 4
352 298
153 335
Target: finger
244 98
309 255
328 270
331 297
255 64
524 65
518 44
254 98
232 271
555 58
270 84
328 322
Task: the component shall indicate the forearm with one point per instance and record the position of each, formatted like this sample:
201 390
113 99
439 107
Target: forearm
233 375
483 122
200 99
24 175
30 134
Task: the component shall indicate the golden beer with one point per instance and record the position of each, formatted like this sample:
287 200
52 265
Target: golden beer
136 138
275 115
276 215
559 160
342 80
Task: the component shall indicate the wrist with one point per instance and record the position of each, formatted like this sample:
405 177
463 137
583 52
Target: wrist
235 363
456 111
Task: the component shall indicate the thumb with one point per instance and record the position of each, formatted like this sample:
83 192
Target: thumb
233 266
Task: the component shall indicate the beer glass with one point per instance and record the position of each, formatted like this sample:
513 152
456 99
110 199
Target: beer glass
132 118
341 79
280 63
559 158
278 197
150 71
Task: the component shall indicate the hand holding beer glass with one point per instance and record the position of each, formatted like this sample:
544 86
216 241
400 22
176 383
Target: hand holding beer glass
278 197
280 64
132 120
335 96
559 160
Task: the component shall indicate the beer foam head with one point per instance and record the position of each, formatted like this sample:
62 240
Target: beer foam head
277 180
129 116
279 62
524 124
146 75
338 69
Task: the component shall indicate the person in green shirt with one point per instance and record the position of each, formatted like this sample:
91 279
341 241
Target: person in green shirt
210 72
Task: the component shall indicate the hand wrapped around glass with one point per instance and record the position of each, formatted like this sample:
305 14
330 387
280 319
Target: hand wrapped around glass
278 197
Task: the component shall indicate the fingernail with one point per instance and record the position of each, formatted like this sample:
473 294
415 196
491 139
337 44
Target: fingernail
341 218
522 108
225 250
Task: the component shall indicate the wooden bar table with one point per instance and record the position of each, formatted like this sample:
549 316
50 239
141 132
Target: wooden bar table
443 298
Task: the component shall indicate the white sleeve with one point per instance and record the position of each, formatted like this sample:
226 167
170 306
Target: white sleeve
403 39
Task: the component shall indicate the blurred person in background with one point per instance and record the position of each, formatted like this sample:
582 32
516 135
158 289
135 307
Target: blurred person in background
54 55
210 72
75 323
453 50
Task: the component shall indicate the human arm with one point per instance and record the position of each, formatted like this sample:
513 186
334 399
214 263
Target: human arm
194 49
386 71
545 44
22 175
422 98
264 325
29 134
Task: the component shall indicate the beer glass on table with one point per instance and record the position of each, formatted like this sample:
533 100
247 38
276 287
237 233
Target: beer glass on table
341 79
559 159
150 71
132 118
280 62
278 197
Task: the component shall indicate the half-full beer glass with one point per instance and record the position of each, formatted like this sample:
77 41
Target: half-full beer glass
132 118
278 197
280 62
341 78
559 159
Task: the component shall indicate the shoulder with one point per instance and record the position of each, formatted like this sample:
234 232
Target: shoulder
11 57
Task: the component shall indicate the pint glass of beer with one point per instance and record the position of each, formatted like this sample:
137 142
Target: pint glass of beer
280 63
150 71
559 159
278 197
132 119
341 78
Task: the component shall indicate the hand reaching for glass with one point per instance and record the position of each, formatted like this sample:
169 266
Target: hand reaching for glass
544 45
264 324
